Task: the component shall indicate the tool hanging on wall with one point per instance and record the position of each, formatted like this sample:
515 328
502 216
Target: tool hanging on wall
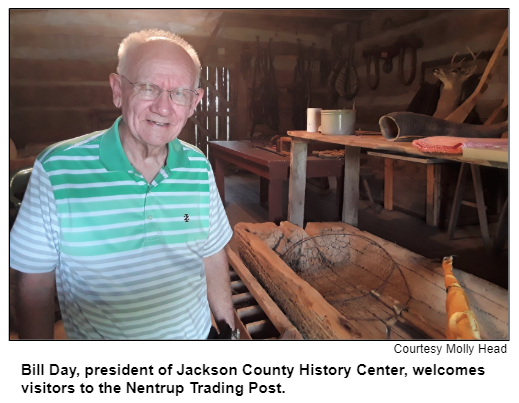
271 99
347 83
325 66
257 105
245 61
264 107
301 89
337 62
373 83
410 44
400 47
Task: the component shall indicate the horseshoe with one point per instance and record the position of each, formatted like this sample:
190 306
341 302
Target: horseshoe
401 60
387 67
375 58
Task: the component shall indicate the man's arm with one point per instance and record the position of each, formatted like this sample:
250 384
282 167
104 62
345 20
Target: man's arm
219 288
35 305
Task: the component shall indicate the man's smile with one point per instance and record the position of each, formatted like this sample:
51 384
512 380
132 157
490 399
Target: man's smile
162 124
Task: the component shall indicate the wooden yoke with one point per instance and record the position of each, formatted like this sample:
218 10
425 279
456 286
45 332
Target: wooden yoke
460 114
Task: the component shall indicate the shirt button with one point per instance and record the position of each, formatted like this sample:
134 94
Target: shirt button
150 217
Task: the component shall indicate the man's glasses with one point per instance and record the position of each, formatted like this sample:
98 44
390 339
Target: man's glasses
150 92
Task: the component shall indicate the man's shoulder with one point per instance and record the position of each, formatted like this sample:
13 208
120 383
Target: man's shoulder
71 145
190 149
195 156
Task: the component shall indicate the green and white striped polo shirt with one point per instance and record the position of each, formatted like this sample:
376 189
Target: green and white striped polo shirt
128 255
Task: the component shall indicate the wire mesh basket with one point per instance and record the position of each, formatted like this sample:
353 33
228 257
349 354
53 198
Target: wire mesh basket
344 268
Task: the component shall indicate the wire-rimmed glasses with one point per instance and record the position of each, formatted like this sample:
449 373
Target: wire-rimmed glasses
150 92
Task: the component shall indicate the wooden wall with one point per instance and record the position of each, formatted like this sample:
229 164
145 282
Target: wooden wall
443 33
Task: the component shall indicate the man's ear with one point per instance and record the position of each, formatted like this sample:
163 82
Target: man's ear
196 101
115 83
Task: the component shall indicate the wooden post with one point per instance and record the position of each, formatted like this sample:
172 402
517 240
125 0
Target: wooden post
297 182
502 229
350 206
264 190
388 184
432 215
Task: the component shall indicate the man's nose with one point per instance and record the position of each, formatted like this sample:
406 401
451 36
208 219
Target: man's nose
163 105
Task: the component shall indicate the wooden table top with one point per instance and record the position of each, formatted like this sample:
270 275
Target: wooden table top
241 148
259 155
378 142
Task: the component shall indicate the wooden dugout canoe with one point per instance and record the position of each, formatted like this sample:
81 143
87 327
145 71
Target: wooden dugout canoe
314 304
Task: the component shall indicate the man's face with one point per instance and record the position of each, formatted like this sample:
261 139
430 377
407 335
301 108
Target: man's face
155 122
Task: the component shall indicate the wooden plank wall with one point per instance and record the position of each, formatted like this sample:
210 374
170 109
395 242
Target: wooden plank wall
444 33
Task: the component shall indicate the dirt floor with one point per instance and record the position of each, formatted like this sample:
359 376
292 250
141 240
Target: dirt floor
242 205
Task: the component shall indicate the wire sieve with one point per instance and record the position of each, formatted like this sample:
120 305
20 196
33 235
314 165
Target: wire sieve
344 268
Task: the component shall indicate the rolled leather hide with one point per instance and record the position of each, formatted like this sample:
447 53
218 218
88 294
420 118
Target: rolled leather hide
408 125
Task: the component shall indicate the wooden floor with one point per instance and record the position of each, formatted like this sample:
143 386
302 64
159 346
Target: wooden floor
242 205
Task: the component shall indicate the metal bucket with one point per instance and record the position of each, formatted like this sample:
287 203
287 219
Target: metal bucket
338 122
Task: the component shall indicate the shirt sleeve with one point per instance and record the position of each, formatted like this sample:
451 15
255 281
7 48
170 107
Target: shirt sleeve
34 238
220 231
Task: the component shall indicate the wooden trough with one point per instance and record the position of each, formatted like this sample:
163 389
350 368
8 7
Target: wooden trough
331 302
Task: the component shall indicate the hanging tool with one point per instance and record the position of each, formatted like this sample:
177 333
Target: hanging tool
351 78
257 105
300 90
411 42
271 99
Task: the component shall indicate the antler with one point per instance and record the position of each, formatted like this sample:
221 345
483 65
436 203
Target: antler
457 65
474 56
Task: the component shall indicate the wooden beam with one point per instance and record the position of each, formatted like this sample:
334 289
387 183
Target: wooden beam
337 14
314 317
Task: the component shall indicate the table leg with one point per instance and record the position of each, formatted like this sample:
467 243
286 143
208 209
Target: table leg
275 198
264 190
340 195
432 215
480 201
458 198
502 229
297 182
219 177
388 184
350 207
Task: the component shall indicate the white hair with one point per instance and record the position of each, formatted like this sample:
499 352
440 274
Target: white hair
138 38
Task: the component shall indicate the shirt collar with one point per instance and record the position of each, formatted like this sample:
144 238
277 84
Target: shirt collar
113 158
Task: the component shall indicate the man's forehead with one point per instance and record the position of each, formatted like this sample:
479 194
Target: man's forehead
160 51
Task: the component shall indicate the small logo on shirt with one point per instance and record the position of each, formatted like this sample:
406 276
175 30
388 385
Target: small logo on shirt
186 217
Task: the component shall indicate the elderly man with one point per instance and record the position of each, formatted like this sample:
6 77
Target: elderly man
127 223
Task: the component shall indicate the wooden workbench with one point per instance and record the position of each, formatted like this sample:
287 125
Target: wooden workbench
353 144
272 169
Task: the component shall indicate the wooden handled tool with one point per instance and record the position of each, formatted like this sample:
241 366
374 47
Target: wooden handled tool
414 320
